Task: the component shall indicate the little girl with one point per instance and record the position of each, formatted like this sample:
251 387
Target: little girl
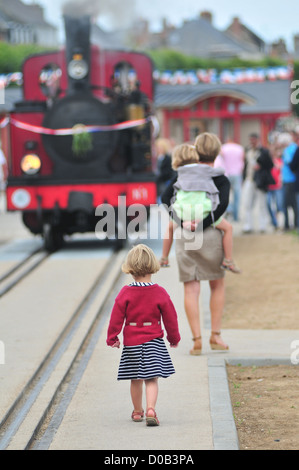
195 189
141 306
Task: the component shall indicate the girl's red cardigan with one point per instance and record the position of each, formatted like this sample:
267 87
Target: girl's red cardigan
139 305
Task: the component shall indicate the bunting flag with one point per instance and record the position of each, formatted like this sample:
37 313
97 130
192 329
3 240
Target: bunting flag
75 130
6 80
235 76
193 77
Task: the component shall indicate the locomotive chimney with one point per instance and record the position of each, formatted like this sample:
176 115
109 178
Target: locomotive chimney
77 32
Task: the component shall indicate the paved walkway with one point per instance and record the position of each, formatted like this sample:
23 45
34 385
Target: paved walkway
194 404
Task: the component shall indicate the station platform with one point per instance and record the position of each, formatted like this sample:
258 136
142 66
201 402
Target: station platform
194 406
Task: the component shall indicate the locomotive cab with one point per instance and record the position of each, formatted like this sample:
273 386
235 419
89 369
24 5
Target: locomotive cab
81 137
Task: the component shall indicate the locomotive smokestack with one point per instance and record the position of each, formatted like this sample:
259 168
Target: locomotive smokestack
77 32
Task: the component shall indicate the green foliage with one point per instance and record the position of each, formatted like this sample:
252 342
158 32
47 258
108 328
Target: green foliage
12 56
82 142
166 59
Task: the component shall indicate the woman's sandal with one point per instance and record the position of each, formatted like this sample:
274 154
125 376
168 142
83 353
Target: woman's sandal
196 351
164 262
229 265
151 420
137 416
216 346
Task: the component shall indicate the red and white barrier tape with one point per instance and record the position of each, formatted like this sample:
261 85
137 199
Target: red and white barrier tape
76 130
4 122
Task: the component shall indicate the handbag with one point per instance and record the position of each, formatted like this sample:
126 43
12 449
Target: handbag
263 179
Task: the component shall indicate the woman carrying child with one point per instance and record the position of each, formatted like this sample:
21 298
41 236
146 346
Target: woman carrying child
141 307
196 196
206 263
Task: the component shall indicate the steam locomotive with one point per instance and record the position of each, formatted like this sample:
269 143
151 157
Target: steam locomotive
82 136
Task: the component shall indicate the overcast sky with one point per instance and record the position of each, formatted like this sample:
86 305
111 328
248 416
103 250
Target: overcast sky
270 19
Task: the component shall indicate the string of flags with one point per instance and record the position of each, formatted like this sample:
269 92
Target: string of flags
193 77
238 75
8 79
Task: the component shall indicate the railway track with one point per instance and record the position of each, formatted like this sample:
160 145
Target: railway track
20 270
36 413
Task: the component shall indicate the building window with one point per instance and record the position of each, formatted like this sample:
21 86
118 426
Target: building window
218 103
227 129
125 78
176 131
205 105
231 107
49 80
196 127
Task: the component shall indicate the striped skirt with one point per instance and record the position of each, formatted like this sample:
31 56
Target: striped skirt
145 361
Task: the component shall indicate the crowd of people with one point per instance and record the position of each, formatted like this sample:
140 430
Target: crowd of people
264 180
267 181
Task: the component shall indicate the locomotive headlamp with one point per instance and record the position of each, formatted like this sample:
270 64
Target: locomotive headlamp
77 69
31 164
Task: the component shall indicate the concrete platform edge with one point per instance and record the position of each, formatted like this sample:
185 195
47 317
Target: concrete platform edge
225 435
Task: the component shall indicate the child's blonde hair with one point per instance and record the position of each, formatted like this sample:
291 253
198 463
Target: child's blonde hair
184 154
141 261
208 147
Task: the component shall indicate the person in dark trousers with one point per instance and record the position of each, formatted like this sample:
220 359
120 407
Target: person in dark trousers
165 172
257 179
289 178
294 166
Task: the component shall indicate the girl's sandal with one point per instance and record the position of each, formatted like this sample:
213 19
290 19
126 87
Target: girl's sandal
229 265
216 346
137 416
151 420
164 262
196 351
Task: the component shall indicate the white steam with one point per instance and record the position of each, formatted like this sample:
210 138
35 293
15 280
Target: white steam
119 13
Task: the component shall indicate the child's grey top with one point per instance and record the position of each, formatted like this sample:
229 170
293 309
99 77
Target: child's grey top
198 177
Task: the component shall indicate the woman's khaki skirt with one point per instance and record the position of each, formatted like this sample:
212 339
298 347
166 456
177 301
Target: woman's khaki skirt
199 255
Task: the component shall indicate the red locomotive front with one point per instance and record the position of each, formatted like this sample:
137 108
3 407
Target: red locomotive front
81 137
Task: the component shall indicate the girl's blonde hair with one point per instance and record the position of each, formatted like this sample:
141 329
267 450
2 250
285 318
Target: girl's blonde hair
141 261
208 147
184 154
